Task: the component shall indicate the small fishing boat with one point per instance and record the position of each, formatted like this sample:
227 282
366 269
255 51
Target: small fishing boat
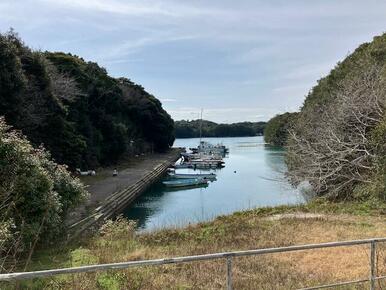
207 166
183 165
207 163
199 165
185 182
185 188
207 148
189 156
186 157
209 176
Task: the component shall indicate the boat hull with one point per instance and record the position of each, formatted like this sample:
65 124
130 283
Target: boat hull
185 182
189 176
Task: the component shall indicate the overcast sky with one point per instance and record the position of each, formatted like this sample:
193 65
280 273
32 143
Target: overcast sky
238 60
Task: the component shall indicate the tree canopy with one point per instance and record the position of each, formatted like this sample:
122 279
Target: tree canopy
191 129
84 117
277 129
338 142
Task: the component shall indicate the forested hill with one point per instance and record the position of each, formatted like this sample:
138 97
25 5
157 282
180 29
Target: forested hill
277 129
191 129
337 143
84 117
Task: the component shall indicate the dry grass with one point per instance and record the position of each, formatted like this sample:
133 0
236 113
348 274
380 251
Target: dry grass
248 230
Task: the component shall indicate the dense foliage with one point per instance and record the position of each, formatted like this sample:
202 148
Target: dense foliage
191 129
338 143
35 194
277 129
84 117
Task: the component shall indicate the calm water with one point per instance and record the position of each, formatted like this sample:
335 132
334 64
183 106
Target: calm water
252 177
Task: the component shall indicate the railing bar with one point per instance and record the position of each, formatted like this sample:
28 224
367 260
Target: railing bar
229 273
122 265
380 278
336 284
372 265
343 283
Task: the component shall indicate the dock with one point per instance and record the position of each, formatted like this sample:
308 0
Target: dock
110 195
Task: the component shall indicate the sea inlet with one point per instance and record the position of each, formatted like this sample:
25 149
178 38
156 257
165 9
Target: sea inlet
253 176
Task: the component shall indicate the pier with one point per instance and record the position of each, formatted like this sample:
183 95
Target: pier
109 195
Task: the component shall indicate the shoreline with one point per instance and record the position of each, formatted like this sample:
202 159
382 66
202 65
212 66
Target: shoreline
110 194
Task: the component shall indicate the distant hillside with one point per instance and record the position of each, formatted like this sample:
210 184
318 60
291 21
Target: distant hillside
191 129
84 117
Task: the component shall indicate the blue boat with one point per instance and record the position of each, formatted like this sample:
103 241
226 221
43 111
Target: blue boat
185 182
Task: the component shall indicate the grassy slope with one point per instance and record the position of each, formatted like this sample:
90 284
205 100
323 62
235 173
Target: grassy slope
259 228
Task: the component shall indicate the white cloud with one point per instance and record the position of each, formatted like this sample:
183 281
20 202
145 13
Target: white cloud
168 100
113 6
224 115
252 58
133 46
140 8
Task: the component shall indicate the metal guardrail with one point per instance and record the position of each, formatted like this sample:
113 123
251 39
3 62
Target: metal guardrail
226 255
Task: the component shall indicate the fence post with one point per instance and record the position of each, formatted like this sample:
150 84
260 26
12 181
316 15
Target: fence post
229 273
372 265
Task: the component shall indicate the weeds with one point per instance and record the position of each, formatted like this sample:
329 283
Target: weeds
117 242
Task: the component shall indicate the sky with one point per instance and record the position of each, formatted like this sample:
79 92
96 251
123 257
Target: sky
244 60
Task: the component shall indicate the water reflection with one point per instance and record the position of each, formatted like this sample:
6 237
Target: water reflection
274 157
140 210
253 176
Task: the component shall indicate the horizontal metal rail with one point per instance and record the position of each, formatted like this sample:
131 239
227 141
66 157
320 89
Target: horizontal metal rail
225 255
336 284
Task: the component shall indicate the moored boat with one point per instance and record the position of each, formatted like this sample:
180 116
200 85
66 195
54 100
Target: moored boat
207 162
191 187
201 156
207 148
209 176
199 164
182 165
185 182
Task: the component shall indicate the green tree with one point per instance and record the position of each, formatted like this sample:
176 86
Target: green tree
277 129
84 117
11 78
35 194
191 129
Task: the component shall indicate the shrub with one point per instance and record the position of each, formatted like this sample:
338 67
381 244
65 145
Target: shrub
35 194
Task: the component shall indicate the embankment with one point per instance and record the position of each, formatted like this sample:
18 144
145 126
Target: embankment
109 195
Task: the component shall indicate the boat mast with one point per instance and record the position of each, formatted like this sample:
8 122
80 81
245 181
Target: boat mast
201 126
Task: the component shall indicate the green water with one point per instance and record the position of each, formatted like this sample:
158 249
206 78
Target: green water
253 177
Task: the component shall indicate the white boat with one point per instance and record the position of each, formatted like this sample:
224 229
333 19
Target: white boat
189 156
206 166
209 162
201 156
209 176
182 165
208 148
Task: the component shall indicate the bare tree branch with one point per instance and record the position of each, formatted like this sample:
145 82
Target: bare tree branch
332 150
